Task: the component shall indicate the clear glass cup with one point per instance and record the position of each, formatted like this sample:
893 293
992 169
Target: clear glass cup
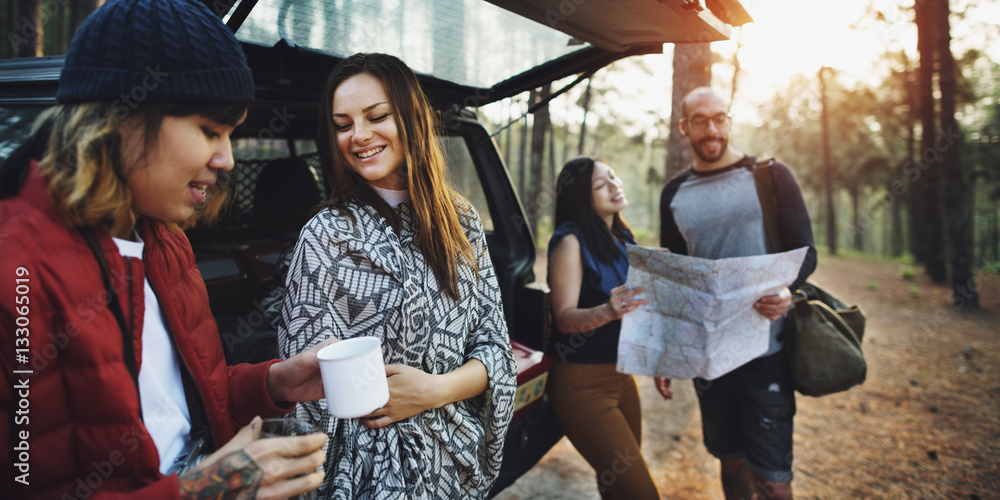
285 427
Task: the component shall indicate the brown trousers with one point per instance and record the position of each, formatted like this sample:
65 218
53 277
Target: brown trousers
598 409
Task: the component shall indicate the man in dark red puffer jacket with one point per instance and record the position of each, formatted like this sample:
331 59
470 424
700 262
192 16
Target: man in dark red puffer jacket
111 359
77 399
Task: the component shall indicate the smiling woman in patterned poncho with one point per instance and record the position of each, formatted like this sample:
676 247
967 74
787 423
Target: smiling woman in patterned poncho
398 255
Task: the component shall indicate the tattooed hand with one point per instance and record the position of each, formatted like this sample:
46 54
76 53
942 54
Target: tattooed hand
234 476
248 468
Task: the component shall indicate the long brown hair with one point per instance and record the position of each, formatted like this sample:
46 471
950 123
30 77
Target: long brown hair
439 233
83 158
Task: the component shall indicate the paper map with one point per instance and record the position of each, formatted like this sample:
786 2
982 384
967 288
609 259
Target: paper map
700 320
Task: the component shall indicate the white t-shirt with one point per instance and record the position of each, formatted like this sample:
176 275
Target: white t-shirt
393 196
161 389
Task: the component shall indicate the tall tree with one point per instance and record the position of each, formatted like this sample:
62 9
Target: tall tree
506 142
957 196
25 32
522 159
931 222
912 206
692 68
538 159
586 109
831 212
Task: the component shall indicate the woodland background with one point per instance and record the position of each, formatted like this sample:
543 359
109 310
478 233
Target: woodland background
904 166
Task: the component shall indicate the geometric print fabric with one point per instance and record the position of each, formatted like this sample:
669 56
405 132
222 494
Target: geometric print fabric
359 278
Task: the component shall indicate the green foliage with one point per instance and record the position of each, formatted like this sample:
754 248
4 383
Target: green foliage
849 253
545 230
645 237
991 267
873 285
906 272
914 291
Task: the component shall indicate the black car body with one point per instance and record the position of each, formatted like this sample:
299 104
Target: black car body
277 177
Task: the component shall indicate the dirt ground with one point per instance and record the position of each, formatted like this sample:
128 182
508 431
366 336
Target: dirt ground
925 424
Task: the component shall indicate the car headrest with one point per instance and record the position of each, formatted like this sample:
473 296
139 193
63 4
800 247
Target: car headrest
287 191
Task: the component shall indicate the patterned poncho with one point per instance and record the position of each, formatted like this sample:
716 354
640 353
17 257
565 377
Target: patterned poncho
350 279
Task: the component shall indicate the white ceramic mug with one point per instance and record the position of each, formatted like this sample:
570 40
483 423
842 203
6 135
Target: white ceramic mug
353 377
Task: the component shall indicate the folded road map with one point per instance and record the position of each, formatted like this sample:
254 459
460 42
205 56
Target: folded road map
700 320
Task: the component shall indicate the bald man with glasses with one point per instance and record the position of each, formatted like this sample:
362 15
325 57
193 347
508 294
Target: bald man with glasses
712 211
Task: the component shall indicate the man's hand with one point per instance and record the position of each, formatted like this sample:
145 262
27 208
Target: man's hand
297 378
247 467
773 307
663 386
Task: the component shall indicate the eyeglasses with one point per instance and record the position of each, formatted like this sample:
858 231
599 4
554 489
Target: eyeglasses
700 122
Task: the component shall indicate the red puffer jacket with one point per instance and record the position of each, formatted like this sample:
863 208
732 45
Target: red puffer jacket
70 425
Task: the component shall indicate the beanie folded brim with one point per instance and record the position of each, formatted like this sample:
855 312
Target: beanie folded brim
223 85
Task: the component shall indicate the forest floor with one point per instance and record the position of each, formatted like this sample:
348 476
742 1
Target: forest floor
925 424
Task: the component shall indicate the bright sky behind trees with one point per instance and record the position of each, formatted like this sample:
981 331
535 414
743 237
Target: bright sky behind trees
788 37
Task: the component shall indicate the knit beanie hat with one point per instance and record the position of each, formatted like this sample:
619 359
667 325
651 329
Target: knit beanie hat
155 51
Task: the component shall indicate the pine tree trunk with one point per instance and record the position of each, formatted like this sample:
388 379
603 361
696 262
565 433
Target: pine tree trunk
994 254
932 224
507 139
538 160
957 196
831 209
859 229
26 33
896 240
692 68
522 178
912 208
583 126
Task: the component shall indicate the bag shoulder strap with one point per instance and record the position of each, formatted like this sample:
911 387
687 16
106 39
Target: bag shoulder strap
128 347
768 206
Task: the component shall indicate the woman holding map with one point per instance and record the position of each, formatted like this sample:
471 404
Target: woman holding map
597 407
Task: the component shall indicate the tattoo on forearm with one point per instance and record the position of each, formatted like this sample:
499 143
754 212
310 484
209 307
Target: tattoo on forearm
233 477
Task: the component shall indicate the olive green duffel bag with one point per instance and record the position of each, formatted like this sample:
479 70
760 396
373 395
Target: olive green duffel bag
823 339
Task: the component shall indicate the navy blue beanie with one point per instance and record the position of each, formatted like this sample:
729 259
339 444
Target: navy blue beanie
155 51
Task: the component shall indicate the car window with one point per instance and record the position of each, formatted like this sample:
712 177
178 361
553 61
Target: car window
463 174
15 127
469 42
